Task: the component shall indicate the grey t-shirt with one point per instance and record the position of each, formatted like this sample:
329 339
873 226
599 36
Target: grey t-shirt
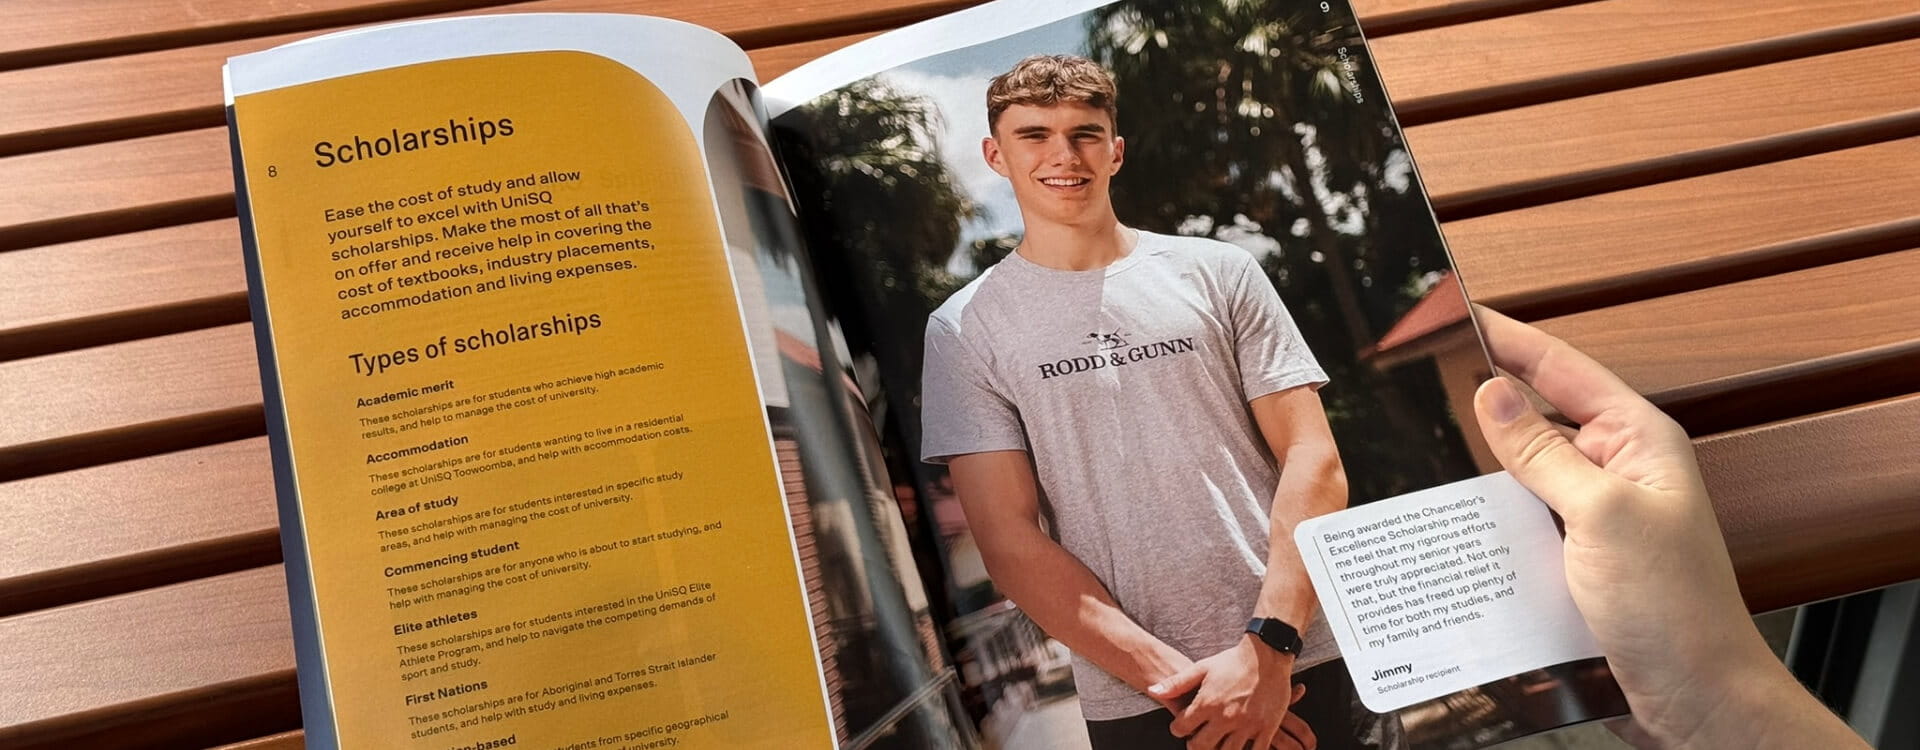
1128 386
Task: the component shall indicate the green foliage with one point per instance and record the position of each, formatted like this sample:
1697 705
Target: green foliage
1241 124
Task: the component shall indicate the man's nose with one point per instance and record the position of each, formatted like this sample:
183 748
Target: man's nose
1060 153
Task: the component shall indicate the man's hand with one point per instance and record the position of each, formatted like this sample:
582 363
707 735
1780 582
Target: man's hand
1240 700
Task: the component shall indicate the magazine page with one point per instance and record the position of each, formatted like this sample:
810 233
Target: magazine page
1144 285
566 455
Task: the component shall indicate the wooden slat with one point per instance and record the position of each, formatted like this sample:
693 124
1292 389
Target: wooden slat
39 33
294 740
1617 247
1753 325
148 522
141 381
178 89
121 287
1650 131
1591 47
93 191
1771 341
113 671
1820 506
773 62
1788 494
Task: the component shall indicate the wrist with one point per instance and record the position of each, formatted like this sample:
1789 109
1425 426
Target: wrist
1271 662
1154 662
1728 699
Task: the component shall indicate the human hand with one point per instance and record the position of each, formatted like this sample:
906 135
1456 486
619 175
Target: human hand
1240 700
1645 561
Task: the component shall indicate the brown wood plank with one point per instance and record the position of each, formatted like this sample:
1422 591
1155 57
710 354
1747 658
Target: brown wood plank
94 291
39 33
773 62
141 381
1787 494
110 671
1663 344
1647 130
115 187
1821 506
1591 47
294 740
130 525
1617 247
1774 342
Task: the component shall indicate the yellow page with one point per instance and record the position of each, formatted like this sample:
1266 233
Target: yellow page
539 501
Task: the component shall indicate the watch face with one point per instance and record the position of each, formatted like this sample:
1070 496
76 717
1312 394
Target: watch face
1275 633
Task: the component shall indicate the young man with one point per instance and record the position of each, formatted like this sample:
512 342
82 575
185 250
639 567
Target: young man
1132 426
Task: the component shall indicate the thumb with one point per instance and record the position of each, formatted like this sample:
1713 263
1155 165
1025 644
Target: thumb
1531 448
1182 682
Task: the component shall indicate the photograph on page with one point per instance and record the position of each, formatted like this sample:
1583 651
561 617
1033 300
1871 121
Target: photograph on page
1264 326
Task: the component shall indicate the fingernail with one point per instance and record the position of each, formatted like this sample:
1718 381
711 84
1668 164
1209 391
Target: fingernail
1505 401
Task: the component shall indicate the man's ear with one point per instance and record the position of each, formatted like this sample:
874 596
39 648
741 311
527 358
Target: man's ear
1119 153
990 150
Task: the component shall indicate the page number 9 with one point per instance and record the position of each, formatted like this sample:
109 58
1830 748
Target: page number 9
1325 7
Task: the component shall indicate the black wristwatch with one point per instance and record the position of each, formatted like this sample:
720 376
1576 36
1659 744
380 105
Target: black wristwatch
1282 637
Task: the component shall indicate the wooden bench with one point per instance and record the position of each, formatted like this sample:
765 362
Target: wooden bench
1712 197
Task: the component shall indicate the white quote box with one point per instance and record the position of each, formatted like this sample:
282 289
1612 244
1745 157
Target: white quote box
1444 589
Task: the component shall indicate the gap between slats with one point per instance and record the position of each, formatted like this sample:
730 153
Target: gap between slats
1454 105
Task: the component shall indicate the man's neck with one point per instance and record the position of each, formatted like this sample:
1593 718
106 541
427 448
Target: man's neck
1077 248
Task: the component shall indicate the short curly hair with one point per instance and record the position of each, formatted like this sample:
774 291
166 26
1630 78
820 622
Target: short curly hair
1047 80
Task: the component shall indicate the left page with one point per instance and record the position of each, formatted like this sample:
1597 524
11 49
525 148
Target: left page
520 423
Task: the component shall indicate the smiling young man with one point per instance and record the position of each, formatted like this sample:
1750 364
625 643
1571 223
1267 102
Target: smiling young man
1132 425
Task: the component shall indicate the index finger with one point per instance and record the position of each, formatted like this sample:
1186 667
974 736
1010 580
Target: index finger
1571 381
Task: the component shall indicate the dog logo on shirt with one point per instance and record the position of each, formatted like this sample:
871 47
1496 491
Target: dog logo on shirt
1107 341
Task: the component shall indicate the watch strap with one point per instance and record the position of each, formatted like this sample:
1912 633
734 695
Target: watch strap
1276 634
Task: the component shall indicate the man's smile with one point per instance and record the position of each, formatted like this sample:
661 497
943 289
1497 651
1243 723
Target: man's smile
1064 182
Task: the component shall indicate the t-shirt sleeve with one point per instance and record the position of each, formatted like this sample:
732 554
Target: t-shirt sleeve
960 411
1272 355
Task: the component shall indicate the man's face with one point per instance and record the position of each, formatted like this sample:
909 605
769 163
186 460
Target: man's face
1060 160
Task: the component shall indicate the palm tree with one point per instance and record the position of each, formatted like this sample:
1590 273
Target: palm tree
1241 119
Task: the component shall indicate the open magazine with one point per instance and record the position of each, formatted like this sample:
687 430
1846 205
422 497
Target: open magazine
951 391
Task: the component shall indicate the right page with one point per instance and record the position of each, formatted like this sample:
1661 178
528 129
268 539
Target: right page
1131 313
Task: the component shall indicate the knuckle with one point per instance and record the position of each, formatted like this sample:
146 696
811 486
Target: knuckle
1537 446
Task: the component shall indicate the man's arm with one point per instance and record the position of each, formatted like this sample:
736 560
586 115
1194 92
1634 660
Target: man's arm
1002 501
1312 483
1241 695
